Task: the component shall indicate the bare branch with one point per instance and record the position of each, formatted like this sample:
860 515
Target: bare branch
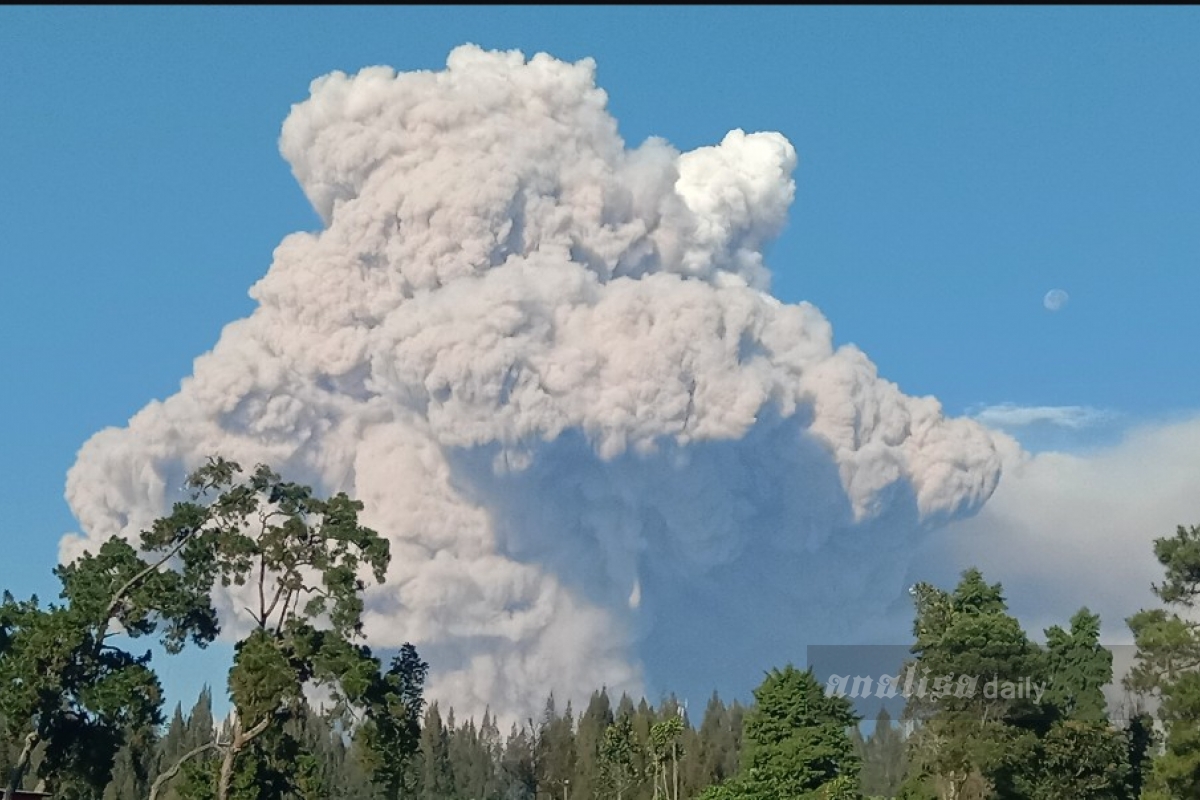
173 771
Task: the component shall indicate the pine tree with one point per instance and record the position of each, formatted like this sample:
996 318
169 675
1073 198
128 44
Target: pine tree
690 780
643 721
716 753
472 762
492 746
1168 642
132 766
588 742
518 767
1141 739
170 749
737 727
200 767
798 737
883 761
200 728
1079 669
555 750
387 742
437 774
972 739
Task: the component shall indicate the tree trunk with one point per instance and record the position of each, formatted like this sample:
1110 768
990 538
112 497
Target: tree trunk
954 785
18 771
675 768
236 744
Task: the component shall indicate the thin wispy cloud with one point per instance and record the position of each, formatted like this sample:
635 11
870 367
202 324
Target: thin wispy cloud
1011 415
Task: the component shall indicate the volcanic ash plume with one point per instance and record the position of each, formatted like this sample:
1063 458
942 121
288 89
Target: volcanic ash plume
550 367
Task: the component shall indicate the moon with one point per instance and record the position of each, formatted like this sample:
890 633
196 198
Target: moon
1055 299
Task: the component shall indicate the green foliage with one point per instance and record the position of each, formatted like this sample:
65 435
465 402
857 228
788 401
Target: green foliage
665 750
589 738
437 773
1079 668
968 737
1168 659
262 680
117 586
1021 745
1141 741
301 558
277 537
918 786
70 696
518 764
618 756
65 684
1087 760
798 743
882 757
554 749
390 734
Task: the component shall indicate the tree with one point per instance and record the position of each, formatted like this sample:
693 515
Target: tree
643 718
1081 755
798 743
973 742
472 760
189 748
492 745
300 556
1141 739
1036 728
589 738
1168 650
295 559
665 749
133 765
718 742
798 738
171 749
390 734
618 756
1086 760
64 681
437 776
883 758
555 749
1079 668
518 766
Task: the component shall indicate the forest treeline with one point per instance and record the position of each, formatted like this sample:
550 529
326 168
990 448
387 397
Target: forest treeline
611 748
81 712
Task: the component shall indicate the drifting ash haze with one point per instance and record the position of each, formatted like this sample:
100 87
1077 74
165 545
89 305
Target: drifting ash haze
551 368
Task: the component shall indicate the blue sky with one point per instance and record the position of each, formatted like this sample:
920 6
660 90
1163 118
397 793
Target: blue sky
955 164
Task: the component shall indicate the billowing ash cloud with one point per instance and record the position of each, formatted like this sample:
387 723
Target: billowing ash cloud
550 367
